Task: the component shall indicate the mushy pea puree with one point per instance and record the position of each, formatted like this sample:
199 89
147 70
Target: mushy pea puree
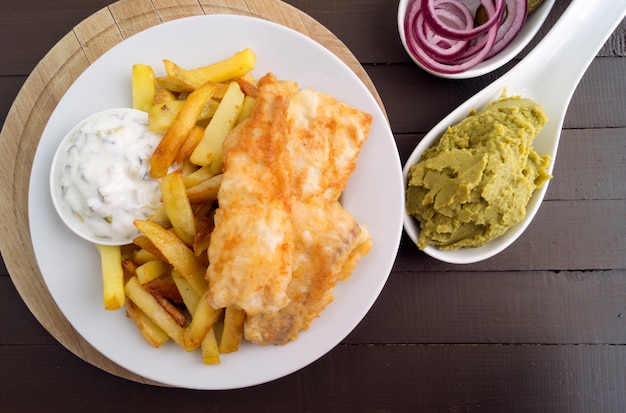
476 182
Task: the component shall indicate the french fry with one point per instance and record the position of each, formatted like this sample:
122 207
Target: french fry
209 110
177 206
160 217
249 104
149 305
162 96
127 250
191 141
233 329
202 321
237 65
200 175
143 87
112 276
162 282
168 148
176 252
222 88
162 115
247 86
206 191
173 84
129 267
210 349
187 78
187 293
186 167
204 211
151 270
142 256
144 243
203 237
165 287
210 147
151 332
174 312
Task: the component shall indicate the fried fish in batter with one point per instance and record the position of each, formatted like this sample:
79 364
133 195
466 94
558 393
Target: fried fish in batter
294 155
328 244
251 248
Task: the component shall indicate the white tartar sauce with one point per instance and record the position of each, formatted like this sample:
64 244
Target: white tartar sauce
100 176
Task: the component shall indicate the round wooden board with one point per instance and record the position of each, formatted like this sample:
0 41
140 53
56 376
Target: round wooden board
38 98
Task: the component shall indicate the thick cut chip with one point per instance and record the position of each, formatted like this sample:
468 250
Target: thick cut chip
209 149
177 206
112 276
202 322
233 329
167 150
205 192
191 141
151 270
153 334
189 296
149 305
231 68
210 349
188 79
143 87
176 253
163 114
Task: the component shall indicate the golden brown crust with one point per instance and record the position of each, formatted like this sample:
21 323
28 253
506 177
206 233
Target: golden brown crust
291 161
251 246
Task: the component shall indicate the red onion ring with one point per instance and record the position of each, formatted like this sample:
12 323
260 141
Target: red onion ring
429 8
440 34
437 45
517 12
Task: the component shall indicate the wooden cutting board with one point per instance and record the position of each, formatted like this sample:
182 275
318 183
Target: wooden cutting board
38 98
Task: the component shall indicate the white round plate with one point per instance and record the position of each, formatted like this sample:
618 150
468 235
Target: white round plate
71 266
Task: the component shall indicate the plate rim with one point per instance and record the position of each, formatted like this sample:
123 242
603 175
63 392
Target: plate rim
33 104
382 112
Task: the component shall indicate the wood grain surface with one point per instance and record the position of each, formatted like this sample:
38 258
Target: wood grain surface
44 88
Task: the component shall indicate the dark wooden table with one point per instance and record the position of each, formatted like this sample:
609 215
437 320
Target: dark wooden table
540 327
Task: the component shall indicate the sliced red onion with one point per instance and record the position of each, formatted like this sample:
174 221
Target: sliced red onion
517 12
463 65
437 45
429 8
441 35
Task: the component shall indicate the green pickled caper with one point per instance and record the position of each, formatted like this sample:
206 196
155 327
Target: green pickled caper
533 4
482 17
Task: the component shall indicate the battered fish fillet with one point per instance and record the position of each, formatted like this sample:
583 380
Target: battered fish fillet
251 247
328 244
313 142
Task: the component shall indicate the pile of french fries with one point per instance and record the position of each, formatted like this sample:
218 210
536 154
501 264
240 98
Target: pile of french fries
160 278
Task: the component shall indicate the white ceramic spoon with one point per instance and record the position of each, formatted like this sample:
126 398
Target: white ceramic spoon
549 74
532 25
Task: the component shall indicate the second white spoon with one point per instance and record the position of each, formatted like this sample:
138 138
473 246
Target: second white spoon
549 75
